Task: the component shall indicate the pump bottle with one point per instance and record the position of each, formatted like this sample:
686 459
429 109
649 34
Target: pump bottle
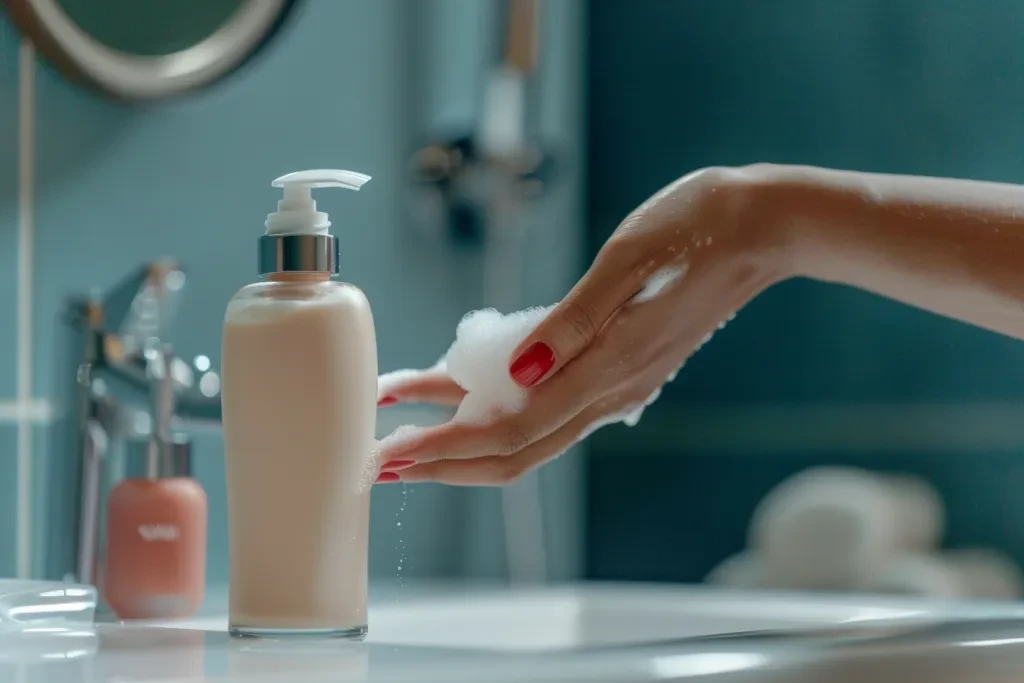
299 391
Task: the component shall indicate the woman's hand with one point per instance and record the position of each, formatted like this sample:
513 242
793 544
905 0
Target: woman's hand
673 271
692 255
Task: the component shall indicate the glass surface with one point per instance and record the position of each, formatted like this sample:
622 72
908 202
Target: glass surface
31 604
356 633
152 27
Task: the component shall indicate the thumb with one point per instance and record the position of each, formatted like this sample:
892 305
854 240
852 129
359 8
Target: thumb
572 325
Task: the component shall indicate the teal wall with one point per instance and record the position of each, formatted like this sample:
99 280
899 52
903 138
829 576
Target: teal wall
8 286
350 84
899 86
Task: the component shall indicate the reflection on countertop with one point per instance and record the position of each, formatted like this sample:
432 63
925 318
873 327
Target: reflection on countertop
570 633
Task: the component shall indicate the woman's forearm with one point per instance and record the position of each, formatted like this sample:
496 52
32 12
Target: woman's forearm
953 247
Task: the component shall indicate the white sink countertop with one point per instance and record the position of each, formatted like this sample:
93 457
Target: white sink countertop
612 632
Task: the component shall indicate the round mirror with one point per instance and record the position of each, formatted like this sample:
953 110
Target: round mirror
149 50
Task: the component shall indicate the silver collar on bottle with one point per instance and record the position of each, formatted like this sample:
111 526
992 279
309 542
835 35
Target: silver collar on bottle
298 254
156 458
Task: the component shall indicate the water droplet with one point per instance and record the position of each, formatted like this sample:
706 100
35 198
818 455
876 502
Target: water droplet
400 545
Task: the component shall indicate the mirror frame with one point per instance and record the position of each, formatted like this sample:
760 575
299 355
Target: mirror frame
81 58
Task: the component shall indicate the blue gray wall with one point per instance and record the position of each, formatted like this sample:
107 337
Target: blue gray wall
349 84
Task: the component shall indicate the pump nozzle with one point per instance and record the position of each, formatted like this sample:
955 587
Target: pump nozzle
296 211
297 240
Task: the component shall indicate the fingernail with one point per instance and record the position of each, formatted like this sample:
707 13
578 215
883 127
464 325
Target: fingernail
398 464
387 478
387 401
532 365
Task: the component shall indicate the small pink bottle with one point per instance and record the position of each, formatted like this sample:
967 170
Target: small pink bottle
156 536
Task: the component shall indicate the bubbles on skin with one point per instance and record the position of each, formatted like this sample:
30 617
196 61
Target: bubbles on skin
609 420
631 415
477 361
371 469
707 337
400 437
660 281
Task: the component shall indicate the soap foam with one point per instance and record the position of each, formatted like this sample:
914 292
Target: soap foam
400 437
478 361
396 439
659 281
387 382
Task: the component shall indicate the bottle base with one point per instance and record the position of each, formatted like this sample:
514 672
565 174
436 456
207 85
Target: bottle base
355 633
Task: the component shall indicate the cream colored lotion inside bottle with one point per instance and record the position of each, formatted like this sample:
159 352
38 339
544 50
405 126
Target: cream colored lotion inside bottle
299 383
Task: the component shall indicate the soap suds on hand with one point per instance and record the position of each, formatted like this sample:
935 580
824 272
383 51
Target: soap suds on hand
387 382
660 280
396 439
478 361
479 358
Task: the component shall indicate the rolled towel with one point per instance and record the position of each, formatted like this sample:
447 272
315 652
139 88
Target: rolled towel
826 528
986 574
742 570
919 512
918 574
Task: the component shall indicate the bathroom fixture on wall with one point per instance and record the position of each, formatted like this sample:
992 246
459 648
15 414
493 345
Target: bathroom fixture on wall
476 187
459 179
107 393
151 50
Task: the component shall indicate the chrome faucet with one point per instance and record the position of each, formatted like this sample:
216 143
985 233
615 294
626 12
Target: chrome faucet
120 383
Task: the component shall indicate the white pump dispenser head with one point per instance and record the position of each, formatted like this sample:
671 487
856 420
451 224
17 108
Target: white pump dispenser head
297 240
296 212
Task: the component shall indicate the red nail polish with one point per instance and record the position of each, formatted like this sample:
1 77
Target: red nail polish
398 464
532 365
387 478
387 401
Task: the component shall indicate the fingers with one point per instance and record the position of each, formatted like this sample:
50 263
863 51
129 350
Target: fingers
418 386
507 435
548 408
497 470
572 325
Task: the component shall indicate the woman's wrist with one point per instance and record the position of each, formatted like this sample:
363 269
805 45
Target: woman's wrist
766 212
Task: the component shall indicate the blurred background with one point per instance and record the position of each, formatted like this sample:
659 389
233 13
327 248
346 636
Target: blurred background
106 165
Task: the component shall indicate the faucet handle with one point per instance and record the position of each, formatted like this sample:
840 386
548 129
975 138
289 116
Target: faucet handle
160 365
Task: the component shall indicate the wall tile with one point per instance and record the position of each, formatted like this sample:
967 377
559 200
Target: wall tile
9 42
8 499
